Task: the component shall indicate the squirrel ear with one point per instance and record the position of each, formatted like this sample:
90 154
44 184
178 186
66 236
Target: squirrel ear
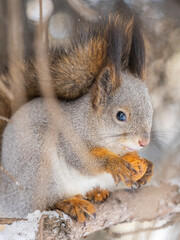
104 87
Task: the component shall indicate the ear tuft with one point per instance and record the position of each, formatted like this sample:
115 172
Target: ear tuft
104 87
137 53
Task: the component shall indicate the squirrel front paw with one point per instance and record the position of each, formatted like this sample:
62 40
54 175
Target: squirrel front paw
143 168
133 170
77 208
146 177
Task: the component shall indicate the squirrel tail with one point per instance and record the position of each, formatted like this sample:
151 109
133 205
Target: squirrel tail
114 41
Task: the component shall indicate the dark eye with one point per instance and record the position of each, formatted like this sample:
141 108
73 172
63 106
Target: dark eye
121 116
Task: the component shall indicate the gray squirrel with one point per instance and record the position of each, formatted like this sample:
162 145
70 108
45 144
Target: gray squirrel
110 117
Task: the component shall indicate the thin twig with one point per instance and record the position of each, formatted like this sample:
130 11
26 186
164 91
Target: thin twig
85 11
13 179
6 119
6 91
39 235
9 221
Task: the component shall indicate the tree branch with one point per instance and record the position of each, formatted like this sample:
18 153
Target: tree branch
145 204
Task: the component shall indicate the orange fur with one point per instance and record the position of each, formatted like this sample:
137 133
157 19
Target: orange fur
77 208
97 195
129 168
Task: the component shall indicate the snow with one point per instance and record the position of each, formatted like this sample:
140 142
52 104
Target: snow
175 181
26 230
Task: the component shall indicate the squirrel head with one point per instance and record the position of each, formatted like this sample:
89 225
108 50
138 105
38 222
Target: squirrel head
126 116
119 95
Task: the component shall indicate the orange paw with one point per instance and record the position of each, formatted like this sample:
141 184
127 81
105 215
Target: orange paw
129 168
138 164
143 170
77 208
97 195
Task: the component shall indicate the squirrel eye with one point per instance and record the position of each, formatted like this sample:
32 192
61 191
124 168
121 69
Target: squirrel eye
121 116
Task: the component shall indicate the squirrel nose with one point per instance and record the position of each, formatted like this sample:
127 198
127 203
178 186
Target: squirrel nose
144 141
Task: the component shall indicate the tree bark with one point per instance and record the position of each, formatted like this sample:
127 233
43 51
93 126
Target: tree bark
146 204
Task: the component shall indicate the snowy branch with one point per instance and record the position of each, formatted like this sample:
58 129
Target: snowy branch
145 204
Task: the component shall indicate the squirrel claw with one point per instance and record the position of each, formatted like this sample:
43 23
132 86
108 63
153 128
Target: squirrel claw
77 208
144 179
147 176
135 185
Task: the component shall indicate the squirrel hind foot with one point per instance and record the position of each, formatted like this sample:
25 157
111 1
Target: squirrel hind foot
77 208
97 195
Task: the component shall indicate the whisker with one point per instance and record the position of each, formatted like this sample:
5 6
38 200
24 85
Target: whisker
174 130
153 146
163 143
159 138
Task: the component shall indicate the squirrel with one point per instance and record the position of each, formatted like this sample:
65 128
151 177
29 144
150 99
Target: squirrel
99 81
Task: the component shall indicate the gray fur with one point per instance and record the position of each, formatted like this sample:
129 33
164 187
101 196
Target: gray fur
44 162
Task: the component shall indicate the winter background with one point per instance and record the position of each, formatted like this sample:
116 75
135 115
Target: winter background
160 20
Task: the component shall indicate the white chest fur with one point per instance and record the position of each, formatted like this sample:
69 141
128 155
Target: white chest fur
70 182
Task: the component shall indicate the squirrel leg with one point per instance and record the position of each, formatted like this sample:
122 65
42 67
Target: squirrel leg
77 208
97 195
129 168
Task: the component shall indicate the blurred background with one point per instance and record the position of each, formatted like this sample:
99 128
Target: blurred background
160 22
